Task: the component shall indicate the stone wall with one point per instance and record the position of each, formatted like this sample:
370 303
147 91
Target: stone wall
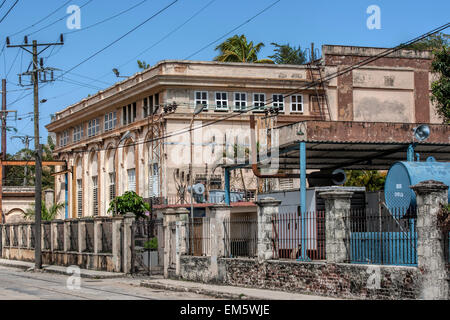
319 278
196 268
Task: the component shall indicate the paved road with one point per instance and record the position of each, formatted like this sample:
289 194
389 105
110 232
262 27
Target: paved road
16 284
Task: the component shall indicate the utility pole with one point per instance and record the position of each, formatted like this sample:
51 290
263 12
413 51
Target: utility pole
37 70
26 141
3 126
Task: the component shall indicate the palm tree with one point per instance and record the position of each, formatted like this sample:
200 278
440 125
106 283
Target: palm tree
47 214
237 49
285 54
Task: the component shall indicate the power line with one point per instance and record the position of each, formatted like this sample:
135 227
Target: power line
234 29
331 76
145 50
169 34
121 37
107 19
1 5
60 19
12 7
36 23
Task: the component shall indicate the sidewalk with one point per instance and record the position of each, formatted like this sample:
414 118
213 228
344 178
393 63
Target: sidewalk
92 274
227 292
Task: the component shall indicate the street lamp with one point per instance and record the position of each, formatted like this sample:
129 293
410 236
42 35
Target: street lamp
198 109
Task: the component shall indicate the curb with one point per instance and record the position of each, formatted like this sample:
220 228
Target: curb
207 292
50 269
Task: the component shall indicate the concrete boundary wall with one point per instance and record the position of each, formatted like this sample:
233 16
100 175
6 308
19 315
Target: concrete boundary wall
58 248
339 280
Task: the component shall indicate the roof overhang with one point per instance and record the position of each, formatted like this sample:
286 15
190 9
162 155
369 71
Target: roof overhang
351 145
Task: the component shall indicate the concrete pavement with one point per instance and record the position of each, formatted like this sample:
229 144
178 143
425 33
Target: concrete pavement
16 284
226 292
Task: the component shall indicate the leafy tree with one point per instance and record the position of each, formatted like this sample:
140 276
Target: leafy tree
285 54
238 49
15 175
440 88
371 179
435 41
143 65
47 214
129 202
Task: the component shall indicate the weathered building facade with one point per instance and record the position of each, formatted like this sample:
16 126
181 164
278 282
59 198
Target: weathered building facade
131 137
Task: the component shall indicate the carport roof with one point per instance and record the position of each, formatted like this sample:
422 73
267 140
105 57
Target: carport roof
353 145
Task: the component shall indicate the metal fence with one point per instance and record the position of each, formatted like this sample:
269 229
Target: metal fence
73 236
386 237
106 231
47 236
199 237
241 237
89 236
299 237
60 237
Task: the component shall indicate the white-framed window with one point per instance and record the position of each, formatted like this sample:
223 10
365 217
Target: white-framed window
64 138
297 103
93 127
131 180
278 101
110 121
259 100
221 101
78 133
240 101
79 198
129 113
201 98
112 186
95 196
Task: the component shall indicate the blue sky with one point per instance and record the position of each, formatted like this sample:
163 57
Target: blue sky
288 21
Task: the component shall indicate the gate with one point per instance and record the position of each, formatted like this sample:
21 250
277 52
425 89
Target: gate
148 240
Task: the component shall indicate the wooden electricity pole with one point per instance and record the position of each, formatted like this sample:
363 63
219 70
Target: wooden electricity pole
37 69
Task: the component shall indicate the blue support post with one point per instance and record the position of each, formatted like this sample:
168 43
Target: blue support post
227 186
66 195
410 153
303 256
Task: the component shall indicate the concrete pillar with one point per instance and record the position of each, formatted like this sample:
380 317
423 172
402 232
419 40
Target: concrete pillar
49 198
267 209
81 235
3 228
218 214
127 252
55 235
67 235
117 243
182 218
430 240
169 217
28 235
98 234
337 224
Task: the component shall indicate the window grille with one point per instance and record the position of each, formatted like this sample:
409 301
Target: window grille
95 195
80 198
132 180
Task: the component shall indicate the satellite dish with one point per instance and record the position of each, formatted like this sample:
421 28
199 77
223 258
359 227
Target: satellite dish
339 177
198 109
422 132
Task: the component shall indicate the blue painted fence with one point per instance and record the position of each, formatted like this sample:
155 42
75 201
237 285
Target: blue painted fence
388 248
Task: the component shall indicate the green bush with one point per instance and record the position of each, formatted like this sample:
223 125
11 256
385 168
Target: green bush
151 244
129 202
